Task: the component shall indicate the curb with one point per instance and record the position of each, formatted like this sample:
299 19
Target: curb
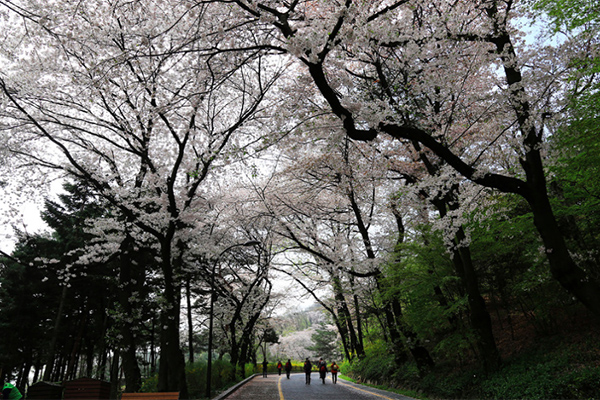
235 387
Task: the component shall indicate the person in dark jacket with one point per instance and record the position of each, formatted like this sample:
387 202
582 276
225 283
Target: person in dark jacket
307 370
265 365
288 368
279 366
322 370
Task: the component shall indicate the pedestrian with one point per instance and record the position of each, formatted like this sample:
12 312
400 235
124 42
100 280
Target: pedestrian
265 364
322 370
307 370
279 367
288 368
334 371
10 392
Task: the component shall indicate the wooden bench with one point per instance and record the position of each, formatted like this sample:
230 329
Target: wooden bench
151 396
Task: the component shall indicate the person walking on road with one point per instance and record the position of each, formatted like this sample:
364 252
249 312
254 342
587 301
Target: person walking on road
279 366
307 370
322 370
265 364
288 368
334 371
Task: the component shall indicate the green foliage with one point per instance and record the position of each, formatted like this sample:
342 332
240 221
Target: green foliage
298 321
378 369
32 285
511 268
455 345
542 375
570 14
575 148
196 378
376 366
448 385
575 185
150 384
271 335
250 369
423 266
325 343
550 371
434 305
24 311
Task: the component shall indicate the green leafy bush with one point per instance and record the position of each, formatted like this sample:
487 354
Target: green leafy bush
222 372
376 366
543 375
449 385
550 371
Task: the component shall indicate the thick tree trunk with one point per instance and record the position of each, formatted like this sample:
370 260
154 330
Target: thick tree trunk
243 359
128 343
575 280
51 356
23 379
77 342
114 375
419 353
133 376
479 316
236 350
188 297
89 357
171 372
37 368
103 350
345 317
359 328
343 331
153 346
247 339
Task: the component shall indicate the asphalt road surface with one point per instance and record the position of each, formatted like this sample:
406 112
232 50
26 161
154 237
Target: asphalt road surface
275 387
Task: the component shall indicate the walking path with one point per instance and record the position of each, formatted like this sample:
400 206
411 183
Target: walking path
275 387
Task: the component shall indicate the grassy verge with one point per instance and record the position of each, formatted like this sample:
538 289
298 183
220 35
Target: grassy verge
222 372
551 370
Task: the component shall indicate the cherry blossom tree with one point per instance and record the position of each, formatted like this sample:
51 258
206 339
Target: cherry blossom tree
143 101
430 46
330 204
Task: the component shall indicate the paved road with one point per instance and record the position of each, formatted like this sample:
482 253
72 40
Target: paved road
276 387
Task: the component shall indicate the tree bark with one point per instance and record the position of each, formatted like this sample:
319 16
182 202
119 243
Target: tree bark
77 341
114 375
127 275
345 317
562 267
50 361
188 296
171 371
479 316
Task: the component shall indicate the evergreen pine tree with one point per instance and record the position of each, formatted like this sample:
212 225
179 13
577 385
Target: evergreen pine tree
325 343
